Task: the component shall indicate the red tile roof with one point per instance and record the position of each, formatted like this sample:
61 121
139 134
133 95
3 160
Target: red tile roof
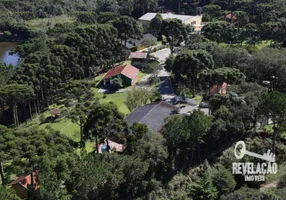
229 16
26 180
219 89
126 70
55 111
138 55
113 146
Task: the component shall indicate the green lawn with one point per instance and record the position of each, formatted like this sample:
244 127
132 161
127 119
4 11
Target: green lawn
118 98
268 128
45 23
62 124
72 130
97 80
198 98
127 62
141 75
264 43
89 147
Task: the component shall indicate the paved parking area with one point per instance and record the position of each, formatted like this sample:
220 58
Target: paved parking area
189 108
162 55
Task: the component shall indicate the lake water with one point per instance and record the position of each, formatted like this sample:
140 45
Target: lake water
5 48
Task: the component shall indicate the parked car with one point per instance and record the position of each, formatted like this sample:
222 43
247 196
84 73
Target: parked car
204 105
181 99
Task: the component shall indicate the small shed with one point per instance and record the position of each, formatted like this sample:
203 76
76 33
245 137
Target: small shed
55 112
138 56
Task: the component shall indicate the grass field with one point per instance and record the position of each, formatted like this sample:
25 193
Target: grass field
70 129
118 98
45 23
263 44
198 98
258 46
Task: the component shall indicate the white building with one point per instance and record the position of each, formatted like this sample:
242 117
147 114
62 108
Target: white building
196 21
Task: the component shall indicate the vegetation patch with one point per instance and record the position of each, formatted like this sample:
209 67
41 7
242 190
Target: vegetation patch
46 23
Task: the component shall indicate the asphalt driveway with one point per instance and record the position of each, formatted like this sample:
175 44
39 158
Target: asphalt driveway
162 55
166 86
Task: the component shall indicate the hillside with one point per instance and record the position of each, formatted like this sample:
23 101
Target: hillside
104 105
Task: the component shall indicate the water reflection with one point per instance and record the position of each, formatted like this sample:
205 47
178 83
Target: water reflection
5 49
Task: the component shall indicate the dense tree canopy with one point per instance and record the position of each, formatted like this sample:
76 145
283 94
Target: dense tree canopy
66 47
174 31
103 122
128 28
189 63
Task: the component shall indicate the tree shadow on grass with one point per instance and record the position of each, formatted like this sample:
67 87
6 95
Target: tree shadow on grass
110 91
49 119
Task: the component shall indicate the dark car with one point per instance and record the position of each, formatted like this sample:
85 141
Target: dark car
204 105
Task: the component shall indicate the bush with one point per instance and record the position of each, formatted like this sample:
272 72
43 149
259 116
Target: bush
69 101
154 49
182 90
12 126
42 118
153 67
223 180
251 48
154 80
139 65
49 127
282 182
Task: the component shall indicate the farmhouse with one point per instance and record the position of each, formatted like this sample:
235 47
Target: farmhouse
196 21
21 184
127 73
153 115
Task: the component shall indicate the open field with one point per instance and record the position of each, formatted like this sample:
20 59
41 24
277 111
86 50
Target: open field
45 23
118 98
198 98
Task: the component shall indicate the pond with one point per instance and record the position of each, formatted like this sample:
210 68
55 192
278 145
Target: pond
5 48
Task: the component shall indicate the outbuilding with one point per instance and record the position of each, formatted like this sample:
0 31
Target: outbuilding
196 21
127 73
21 184
138 56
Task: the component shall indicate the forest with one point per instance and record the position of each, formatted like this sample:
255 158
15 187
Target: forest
53 117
